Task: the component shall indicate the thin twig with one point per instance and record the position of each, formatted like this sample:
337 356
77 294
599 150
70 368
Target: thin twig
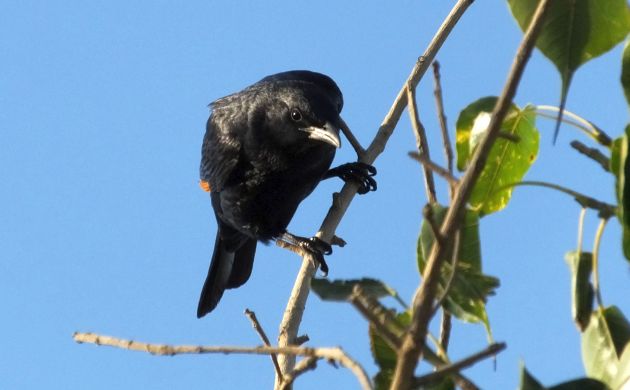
422 143
451 278
440 171
334 354
261 332
596 242
294 311
605 210
423 299
439 105
592 153
444 371
352 139
445 329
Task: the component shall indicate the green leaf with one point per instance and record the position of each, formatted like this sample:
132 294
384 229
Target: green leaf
575 31
620 167
470 288
384 356
603 343
581 288
625 71
623 376
528 382
340 290
508 160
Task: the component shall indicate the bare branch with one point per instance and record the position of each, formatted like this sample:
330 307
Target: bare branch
452 180
422 143
423 299
592 153
304 365
345 129
333 354
261 332
439 105
292 317
444 371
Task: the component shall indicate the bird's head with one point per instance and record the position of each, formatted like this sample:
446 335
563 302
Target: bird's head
302 109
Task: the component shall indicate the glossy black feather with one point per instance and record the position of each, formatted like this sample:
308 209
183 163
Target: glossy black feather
260 164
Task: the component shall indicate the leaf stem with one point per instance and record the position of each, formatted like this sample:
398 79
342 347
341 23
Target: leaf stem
575 120
597 241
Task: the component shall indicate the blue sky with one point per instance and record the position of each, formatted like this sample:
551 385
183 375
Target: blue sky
103 227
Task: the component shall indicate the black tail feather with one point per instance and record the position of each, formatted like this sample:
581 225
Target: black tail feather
227 270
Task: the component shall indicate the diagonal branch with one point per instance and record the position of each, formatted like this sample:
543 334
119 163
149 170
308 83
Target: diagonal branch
261 332
423 300
294 311
422 143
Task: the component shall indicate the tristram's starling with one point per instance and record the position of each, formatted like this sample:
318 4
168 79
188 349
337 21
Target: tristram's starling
265 149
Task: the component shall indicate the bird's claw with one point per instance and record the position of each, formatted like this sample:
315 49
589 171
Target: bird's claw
358 172
318 248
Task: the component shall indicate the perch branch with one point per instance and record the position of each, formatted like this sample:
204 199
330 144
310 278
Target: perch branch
423 300
333 354
294 311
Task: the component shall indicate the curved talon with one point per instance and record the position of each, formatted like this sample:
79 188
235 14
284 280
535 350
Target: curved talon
359 172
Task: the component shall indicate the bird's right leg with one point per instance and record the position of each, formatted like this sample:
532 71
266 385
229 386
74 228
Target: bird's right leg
314 245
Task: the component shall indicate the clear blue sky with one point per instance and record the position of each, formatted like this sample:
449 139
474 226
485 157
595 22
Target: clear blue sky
103 227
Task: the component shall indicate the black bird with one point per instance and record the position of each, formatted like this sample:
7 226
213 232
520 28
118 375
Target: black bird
265 149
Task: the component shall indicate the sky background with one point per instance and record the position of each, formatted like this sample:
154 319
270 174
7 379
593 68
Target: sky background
103 227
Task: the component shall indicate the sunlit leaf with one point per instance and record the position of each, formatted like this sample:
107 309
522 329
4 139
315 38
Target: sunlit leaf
575 31
603 343
581 288
622 381
528 382
470 288
620 167
509 159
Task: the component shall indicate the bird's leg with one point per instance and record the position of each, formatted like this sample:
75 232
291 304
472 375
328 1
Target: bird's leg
359 172
314 245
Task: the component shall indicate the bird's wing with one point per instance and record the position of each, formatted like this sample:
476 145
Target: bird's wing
220 152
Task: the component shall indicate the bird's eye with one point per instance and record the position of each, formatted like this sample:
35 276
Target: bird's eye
296 115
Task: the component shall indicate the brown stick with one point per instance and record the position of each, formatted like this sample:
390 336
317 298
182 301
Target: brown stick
422 144
261 332
334 354
423 300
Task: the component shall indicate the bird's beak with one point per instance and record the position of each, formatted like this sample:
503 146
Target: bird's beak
327 133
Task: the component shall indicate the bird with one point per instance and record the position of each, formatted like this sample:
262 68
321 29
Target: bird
265 149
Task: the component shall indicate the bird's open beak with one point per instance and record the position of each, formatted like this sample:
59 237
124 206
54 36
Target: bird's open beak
327 133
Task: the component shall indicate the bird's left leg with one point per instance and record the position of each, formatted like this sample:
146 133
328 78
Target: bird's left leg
314 245
359 172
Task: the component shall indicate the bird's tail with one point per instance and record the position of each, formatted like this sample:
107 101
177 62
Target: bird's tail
229 268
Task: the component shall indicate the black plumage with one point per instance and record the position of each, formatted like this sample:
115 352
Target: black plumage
265 149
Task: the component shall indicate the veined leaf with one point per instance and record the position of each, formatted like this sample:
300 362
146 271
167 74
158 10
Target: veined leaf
509 159
470 288
575 31
603 343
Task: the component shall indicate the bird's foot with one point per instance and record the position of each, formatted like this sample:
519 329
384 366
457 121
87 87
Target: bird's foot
314 246
358 172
